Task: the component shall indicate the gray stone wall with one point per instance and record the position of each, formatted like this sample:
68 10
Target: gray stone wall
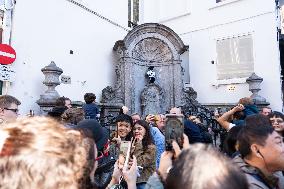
148 45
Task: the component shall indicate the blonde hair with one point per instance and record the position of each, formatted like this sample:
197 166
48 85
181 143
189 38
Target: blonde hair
157 117
40 153
88 162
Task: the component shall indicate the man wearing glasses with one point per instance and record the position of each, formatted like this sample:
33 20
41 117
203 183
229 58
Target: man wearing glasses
8 108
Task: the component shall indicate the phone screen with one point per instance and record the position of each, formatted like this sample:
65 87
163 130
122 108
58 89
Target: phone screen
126 150
174 130
124 146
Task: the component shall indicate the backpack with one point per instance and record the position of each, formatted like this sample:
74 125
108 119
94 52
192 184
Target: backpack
104 171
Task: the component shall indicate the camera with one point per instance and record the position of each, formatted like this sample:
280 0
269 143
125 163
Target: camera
174 129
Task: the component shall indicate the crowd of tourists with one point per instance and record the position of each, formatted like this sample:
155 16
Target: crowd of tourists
69 149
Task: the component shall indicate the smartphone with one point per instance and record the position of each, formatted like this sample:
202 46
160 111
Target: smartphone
128 152
174 130
124 146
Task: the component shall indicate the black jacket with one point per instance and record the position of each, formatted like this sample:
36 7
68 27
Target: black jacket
192 131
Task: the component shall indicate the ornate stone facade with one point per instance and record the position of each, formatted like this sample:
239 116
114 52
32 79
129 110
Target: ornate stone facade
148 45
152 99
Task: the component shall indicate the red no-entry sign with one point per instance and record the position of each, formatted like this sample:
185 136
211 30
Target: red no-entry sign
7 54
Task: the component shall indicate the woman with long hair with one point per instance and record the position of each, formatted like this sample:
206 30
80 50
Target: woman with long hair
144 151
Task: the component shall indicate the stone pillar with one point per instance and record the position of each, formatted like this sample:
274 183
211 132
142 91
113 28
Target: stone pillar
254 87
48 99
178 84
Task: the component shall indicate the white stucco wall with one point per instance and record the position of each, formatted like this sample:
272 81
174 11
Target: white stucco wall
43 31
205 22
47 30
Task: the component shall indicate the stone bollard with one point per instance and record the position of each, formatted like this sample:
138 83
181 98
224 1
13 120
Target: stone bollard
48 99
254 87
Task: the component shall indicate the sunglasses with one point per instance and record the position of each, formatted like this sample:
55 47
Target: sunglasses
14 110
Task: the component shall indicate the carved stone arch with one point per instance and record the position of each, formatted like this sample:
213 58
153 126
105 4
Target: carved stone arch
149 50
152 97
158 31
148 45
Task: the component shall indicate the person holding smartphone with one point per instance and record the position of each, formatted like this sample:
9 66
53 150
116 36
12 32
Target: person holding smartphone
144 151
157 136
124 125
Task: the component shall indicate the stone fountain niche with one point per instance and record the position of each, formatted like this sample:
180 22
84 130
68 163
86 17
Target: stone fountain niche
148 45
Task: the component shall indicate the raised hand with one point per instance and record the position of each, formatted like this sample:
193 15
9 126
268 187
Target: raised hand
130 175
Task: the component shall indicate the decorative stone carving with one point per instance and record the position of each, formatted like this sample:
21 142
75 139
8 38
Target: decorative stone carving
152 99
189 102
48 99
113 96
254 82
152 50
148 45
108 94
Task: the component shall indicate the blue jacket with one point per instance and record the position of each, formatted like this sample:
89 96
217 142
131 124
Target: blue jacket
91 111
250 110
159 141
